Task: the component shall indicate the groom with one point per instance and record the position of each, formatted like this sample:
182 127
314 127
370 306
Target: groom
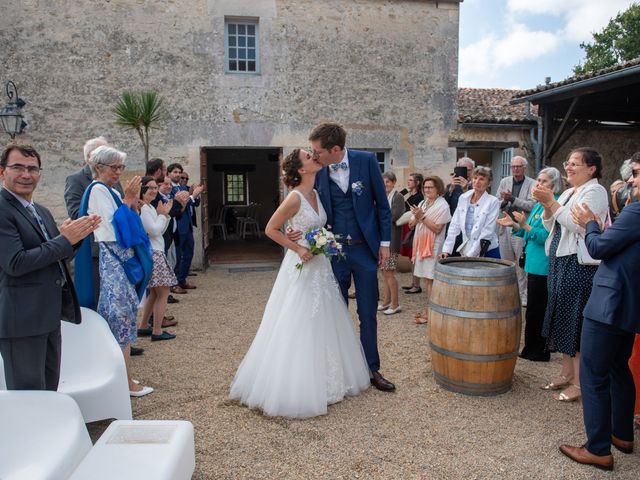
352 193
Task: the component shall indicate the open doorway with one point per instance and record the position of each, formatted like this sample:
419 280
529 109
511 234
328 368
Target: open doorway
243 191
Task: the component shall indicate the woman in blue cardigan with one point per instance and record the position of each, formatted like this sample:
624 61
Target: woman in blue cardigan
536 266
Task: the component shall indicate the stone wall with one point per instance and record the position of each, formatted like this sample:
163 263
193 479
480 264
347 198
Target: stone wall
387 70
615 146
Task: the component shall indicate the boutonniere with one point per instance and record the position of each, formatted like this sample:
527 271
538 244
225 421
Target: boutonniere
357 187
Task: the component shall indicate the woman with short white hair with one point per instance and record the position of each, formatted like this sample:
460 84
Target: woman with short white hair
118 301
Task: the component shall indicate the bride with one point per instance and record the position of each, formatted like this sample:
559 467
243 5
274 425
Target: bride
305 354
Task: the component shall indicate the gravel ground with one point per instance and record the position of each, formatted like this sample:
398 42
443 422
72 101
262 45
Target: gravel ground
420 431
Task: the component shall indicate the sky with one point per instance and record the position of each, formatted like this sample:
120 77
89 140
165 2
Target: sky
517 43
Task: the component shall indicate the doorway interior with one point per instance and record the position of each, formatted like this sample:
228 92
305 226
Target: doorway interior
243 190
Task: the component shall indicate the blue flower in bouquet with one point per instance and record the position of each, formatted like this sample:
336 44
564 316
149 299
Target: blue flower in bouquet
357 187
322 242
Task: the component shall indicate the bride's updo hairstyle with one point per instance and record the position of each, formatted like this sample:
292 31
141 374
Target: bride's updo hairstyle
290 167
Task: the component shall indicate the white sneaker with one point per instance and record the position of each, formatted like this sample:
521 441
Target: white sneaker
391 311
141 393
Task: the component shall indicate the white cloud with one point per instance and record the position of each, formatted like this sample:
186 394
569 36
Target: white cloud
490 53
580 17
553 7
512 42
522 44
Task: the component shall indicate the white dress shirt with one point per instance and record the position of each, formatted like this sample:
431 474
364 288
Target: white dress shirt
341 175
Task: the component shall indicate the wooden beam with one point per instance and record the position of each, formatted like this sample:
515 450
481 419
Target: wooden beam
563 124
566 135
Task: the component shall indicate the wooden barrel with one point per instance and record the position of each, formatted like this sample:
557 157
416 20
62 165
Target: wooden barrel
474 325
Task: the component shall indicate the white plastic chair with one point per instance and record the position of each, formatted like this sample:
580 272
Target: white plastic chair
154 449
42 435
93 372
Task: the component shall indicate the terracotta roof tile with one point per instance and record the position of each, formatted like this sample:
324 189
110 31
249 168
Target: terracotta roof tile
491 105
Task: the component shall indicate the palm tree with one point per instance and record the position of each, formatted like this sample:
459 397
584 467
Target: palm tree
140 111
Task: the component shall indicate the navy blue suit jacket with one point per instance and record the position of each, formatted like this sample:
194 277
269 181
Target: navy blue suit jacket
186 221
371 207
615 298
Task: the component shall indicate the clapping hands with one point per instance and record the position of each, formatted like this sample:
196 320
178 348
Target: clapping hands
76 230
132 192
164 208
542 194
582 214
507 221
182 197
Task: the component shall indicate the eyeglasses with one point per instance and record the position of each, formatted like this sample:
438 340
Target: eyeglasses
20 169
572 164
184 178
316 153
114 168
517 166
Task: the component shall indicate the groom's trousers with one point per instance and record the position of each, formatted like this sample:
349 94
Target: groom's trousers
363 266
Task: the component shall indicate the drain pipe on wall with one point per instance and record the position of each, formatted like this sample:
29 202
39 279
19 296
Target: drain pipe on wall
536 141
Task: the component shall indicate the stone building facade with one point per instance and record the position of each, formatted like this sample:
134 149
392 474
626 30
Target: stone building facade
386 70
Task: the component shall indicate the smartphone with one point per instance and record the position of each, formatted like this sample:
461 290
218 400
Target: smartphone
460 172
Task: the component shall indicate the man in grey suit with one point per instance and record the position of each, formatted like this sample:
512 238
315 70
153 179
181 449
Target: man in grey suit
515 194
36 291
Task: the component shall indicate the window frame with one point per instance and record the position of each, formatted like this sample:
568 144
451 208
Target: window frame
227 59
245 188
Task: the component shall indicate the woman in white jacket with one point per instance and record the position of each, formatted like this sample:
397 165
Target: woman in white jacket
571 270
475 217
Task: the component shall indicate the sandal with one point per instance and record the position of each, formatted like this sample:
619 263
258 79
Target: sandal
569 396
421 318
556 383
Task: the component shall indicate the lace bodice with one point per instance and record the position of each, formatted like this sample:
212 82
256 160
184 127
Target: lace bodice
307 219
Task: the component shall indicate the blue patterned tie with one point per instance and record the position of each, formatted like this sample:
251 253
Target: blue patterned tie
34 213
341 165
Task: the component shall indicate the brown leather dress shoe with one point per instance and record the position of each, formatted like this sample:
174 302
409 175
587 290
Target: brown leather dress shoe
584 456
187 286
624 446
178 289
381 383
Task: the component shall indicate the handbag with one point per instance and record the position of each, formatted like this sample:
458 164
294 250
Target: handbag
583 254
523 258
404 218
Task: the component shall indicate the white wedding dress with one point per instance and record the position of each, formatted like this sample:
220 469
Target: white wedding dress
306 354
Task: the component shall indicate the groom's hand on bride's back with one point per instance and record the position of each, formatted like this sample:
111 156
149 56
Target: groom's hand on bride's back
293 235
383 255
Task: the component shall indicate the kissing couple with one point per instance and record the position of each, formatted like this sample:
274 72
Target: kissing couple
305 355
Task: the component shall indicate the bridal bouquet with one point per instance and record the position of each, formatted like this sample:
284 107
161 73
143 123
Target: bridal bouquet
322 242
